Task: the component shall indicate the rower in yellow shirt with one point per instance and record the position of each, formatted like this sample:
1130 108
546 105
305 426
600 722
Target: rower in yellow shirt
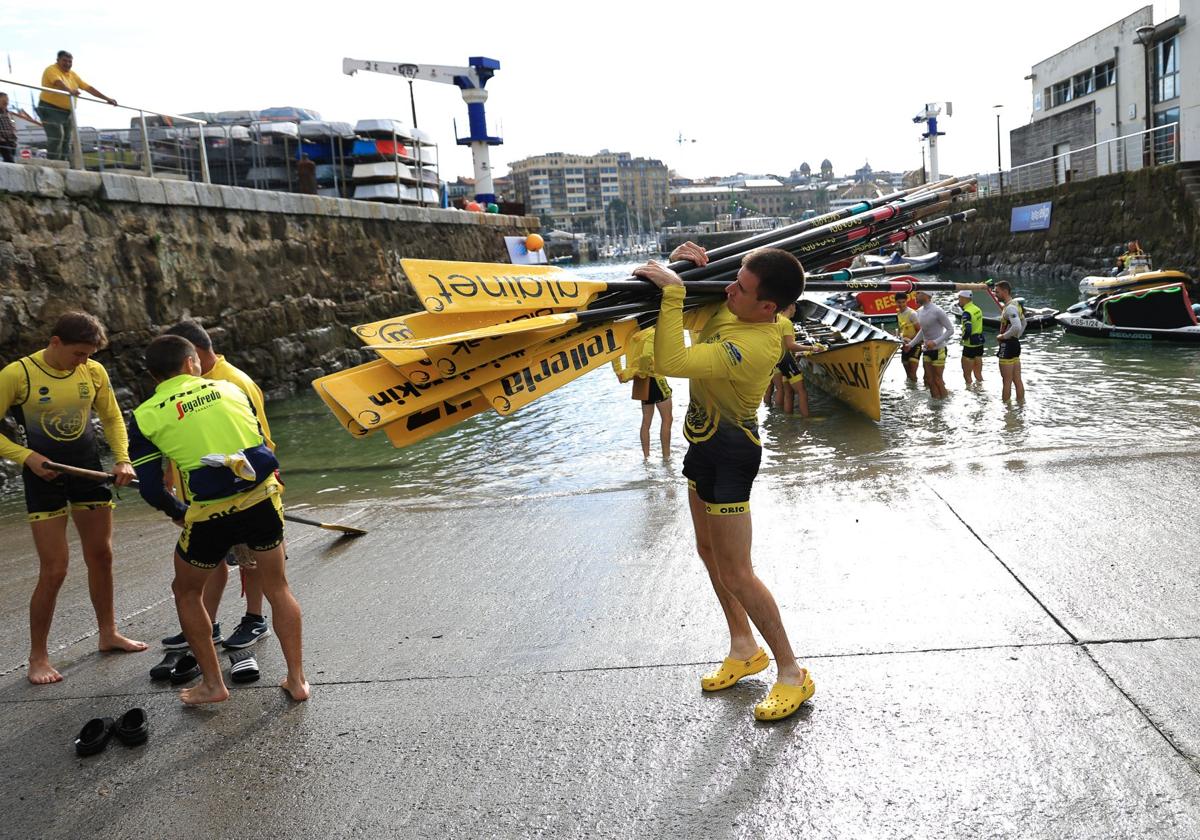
728 365
51 395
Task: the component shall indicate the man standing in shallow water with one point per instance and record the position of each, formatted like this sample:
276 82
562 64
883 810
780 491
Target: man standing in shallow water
728 367
1012 327
933 336
51 395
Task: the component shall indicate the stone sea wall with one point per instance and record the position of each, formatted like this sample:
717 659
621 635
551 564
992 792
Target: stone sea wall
278 279
1091 222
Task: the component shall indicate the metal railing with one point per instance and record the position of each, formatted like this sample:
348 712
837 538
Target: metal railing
237 149
1149 147
140 147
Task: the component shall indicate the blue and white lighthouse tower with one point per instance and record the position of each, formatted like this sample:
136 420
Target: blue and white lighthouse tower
471 80
474 94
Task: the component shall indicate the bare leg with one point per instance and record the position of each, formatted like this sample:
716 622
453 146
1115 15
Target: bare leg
214 588
188 587
285 615
1006 381
664 427
966 369
939 375
742 644
801 397
1016 380
978 366
254 592
95 536
50 540
644 431
730 537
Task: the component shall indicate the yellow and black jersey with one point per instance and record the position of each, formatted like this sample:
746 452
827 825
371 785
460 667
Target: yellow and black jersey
729 364
53 409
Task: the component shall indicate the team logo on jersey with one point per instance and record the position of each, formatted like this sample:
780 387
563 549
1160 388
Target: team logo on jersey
84 393
735 355
63 425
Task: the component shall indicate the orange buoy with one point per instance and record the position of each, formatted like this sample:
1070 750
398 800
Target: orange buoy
534 242
473 206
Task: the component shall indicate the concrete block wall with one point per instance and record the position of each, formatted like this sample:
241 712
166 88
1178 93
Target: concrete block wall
1090 223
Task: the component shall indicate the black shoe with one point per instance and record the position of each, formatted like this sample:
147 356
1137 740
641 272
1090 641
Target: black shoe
94 736
162 671
185 670
178 642
243 667
133 728
248 632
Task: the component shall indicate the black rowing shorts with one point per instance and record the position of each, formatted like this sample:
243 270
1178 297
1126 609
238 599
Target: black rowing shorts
204 544
913 355
789 367
1010 350
51 499
972 352
722 468
660 391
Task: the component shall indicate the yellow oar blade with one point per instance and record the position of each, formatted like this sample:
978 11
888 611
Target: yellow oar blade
445 286
435 418
343 417
552 367
525 325
376 394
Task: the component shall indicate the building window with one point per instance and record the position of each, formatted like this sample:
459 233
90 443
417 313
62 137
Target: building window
1166 69
1061 93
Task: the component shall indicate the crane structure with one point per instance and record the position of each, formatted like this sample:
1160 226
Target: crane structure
471 81
929 115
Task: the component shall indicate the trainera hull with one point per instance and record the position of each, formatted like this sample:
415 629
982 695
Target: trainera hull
852 368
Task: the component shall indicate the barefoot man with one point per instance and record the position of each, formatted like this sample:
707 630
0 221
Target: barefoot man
51 395
209 430
729 365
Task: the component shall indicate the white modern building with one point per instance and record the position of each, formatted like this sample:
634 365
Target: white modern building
1130 76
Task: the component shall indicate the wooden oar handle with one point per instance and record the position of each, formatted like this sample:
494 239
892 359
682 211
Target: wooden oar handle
94 475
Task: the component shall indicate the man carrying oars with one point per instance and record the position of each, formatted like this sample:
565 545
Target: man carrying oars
728 368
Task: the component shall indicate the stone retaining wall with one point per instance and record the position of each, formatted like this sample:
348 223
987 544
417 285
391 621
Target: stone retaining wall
277 278
1090 224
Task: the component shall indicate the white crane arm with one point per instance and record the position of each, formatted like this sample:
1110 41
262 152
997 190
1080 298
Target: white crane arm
425 72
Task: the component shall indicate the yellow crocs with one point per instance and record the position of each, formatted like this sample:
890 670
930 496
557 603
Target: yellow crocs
785 699
732 670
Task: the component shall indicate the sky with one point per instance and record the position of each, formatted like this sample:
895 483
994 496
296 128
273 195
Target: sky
756 87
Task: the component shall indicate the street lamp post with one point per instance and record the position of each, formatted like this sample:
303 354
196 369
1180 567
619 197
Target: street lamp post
1145 36
999 164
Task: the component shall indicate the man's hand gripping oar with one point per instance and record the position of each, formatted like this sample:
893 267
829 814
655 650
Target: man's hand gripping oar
111 478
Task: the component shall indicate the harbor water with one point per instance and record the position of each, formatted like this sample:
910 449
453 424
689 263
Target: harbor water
1081 393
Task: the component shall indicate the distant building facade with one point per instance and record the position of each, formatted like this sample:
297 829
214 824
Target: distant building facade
574 191
1096 91
748 196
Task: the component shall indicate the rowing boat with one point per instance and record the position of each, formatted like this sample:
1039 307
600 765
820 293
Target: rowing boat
852 366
